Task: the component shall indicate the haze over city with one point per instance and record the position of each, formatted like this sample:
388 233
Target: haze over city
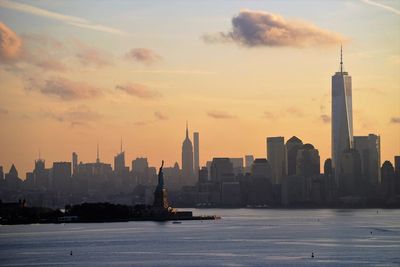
73 76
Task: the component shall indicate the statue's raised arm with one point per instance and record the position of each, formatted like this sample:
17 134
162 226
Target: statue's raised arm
161 176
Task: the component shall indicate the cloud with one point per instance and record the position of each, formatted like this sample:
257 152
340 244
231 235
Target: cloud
77 116
71 20
184 72
3 111
51 65
91 56
220 115
383 6
258 28
63 89
140 123
160 116
10 44
395 120
268 115
143 55
138 90
295 111
325 118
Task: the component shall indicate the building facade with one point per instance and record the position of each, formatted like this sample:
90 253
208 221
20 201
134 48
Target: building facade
342 117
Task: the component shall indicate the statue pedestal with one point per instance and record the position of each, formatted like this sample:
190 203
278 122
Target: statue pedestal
160 198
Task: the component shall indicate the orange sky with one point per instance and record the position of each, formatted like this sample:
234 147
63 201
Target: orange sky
70 79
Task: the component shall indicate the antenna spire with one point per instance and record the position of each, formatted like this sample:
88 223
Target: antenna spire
98 158
187 130
341 59
121 145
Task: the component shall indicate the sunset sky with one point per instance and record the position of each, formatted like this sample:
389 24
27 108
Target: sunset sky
74 73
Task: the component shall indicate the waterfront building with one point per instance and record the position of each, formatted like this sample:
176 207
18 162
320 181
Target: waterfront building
276 157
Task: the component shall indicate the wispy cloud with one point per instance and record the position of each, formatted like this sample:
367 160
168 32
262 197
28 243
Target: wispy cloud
63 89
395 120
258 28
76 116
220 115
383 6
71 20
143 55
190 72
3 111
138 90
160 116
295 111
325 118
88 55
268 115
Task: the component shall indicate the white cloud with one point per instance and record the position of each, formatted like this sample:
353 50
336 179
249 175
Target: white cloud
71 20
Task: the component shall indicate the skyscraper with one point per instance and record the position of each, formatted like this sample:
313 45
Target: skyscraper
74 163
369 148
342 116
291 148
276 157
61 176
119 161
307 161
187 159
196 154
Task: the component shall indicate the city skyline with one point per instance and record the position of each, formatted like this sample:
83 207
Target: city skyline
133 82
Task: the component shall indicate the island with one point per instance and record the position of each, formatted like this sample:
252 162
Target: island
19 213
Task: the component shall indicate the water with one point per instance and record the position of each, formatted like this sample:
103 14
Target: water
243 237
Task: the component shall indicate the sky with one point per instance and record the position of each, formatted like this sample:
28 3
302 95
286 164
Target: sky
77 73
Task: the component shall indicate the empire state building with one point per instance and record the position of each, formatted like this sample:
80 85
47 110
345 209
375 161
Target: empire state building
187 160
342 116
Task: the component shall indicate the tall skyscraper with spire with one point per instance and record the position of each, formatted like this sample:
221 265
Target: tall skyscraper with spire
187 159
342 116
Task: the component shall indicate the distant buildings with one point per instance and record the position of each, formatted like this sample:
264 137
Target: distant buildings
12 181
248 159
140 170
221 170
61 176
261 169
276 157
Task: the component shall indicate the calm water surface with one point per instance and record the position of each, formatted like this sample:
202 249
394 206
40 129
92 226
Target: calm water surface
243 237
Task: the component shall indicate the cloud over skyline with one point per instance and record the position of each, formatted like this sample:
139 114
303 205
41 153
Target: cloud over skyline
220 115
138 90
76 116
258 28
64 89
143 55
325 118
395 120
160 116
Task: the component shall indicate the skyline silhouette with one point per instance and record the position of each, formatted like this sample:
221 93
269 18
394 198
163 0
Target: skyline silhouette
71 79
